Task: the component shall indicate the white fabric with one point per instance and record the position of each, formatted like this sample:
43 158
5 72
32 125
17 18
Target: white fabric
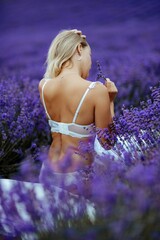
82 99
101 151
72 129
44 101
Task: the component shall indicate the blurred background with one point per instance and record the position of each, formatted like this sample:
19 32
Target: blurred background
117 30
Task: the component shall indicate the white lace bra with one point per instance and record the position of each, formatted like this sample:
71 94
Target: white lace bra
71 129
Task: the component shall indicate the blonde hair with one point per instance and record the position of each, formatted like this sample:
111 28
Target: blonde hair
61 50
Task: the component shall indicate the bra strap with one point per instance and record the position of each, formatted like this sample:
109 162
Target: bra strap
82 99
44 101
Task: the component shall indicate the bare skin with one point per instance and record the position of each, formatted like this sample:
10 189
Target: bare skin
62 95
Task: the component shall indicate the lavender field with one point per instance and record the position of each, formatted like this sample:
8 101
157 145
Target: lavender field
125 38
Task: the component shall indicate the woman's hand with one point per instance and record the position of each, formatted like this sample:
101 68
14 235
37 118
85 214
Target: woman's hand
112 89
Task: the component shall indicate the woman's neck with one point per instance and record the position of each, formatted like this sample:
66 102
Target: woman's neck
71 68
70 71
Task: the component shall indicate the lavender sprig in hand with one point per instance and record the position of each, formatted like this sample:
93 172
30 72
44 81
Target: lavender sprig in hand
112 89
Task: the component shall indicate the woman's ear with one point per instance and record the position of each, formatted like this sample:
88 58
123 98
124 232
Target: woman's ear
79 49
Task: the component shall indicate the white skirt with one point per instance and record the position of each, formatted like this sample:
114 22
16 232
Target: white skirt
101 151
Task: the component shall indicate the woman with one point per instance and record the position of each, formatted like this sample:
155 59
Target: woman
74 107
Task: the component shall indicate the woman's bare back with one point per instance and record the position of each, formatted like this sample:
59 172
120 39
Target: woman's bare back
62 96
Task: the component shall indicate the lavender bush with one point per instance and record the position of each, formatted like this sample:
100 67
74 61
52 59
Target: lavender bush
123 199
23 124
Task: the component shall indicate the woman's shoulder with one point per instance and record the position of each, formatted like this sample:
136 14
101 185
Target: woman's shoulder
99 86
95 82
42 82
100 91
